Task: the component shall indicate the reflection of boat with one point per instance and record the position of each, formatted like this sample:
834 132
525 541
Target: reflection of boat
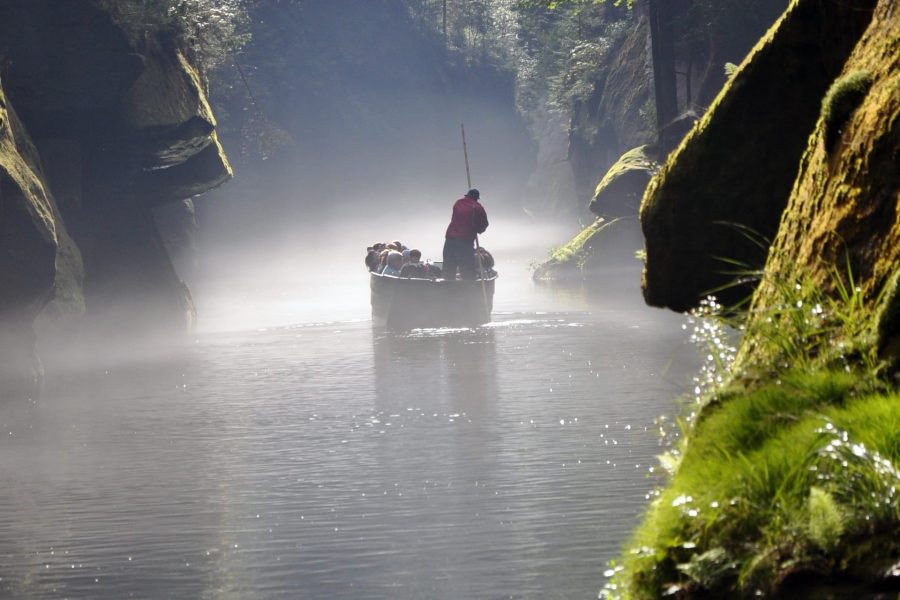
404 303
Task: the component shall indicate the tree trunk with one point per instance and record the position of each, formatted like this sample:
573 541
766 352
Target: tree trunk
662 42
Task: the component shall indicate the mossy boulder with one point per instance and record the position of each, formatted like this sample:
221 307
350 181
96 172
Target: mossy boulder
121 124
619 192
167 110
841 227
787 475
602 244
734 172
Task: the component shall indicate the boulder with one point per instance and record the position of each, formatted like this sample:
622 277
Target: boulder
725 187
199 173
167 111
619 192
842 222
601 246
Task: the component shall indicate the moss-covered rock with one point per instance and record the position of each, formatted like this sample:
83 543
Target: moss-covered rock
734 172
841 228
786 483
602 244
120 124
619 192
168 110
843 97
778 488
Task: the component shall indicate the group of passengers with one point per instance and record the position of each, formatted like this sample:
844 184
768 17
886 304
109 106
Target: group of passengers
397 260
467 221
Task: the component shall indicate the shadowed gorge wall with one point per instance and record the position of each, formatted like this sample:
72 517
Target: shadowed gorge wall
118 127
841 226
734 172
618 115
28 245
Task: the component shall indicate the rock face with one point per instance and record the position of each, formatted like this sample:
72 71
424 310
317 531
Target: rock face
28 246
821 342
844 208
619 114
110 127
614 117
731 177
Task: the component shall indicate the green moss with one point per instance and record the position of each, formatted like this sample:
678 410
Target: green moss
826 519
843 97
781 478
626 180
739 163
573 256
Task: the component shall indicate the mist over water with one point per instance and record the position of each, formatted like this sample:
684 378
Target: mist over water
289 449
324 458
318 275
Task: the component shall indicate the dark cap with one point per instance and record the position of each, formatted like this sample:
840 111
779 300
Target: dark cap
473 193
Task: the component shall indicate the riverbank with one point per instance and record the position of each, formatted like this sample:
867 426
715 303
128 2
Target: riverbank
785 481
792 482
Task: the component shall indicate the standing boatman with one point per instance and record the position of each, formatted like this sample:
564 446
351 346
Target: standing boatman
468 220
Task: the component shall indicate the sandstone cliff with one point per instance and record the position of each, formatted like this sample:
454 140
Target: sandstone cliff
784 483
110 126
733 173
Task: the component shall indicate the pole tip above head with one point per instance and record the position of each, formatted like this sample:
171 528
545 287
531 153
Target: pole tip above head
474 193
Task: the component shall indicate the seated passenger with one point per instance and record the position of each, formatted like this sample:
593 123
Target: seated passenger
394 264
414 268
484 262
372 260
433 271
382 260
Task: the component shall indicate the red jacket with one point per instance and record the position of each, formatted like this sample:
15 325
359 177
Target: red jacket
468 219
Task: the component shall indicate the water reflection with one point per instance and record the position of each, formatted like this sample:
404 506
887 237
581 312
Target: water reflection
503 460
452 370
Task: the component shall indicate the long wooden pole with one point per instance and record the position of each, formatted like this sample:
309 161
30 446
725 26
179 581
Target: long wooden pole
462 128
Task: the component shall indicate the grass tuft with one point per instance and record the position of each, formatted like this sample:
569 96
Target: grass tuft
773 480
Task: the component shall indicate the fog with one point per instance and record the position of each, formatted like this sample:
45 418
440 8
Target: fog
372 151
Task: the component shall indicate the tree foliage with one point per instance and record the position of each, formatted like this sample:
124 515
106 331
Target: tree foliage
209 30
553 48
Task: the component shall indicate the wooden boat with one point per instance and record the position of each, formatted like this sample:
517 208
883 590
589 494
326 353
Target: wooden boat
406 303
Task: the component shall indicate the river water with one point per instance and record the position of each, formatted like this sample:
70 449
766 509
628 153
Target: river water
326 459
